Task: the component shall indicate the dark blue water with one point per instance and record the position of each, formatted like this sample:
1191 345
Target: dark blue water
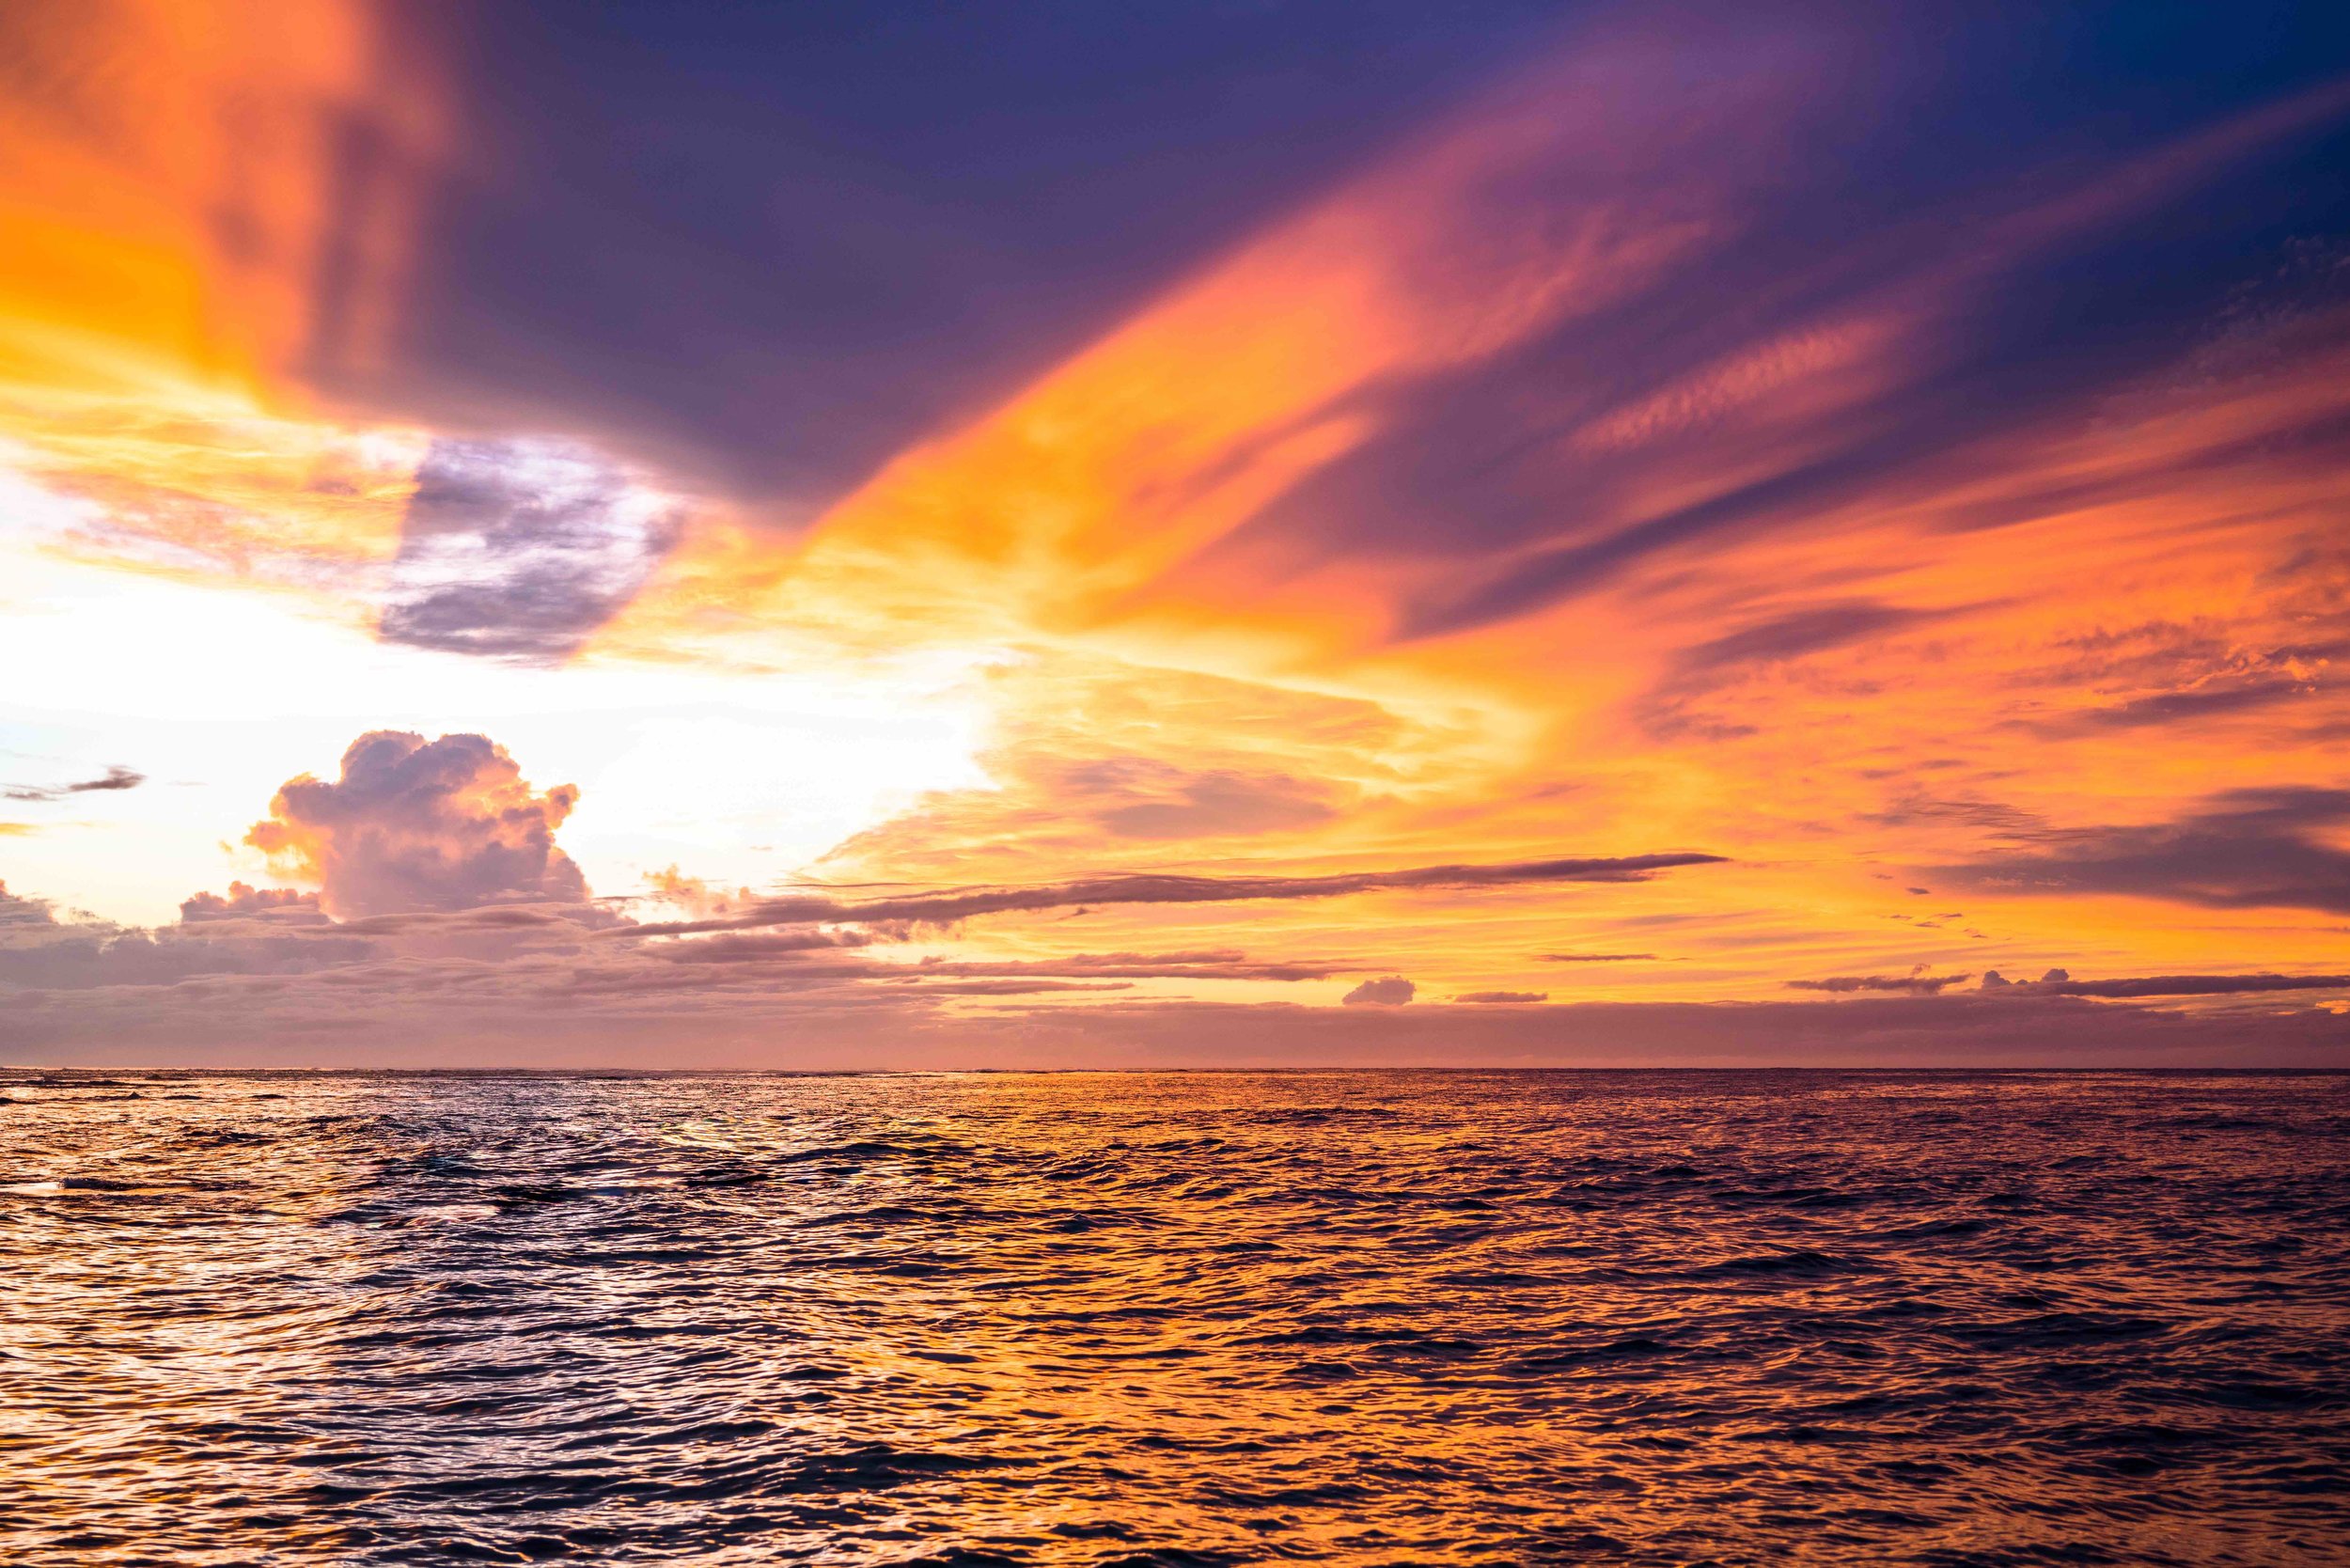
1358 1318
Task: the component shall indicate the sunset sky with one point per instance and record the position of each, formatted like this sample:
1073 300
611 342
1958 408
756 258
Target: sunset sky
1094 535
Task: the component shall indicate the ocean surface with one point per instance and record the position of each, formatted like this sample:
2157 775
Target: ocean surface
1175 1319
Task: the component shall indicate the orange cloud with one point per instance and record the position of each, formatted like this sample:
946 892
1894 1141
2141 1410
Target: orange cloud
205 206
1530 488
211 190
1183 424
1786 551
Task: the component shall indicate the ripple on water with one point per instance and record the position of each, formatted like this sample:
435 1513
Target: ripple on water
1352 1318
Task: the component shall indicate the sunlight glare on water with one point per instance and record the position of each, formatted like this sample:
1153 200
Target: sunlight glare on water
1358 1318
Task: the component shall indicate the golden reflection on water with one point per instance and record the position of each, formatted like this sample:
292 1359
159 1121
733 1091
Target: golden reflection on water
1175 1318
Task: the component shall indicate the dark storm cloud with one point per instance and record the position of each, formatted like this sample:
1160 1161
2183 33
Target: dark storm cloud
769 246
1912 985
2243 848
116 777
520 550
950 905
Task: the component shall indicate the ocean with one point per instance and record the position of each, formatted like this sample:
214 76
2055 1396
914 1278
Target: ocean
1669 1318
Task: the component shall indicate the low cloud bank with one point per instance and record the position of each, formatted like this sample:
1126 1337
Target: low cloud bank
536 1015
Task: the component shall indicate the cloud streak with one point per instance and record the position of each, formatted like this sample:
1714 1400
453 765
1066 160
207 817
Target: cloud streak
2169 985
2242 849
116 777
1908 985
946 906
1595 958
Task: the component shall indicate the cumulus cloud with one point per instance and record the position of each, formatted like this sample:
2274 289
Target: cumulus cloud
1388 991
949 904
417 825
1994 981
521 549
116 777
